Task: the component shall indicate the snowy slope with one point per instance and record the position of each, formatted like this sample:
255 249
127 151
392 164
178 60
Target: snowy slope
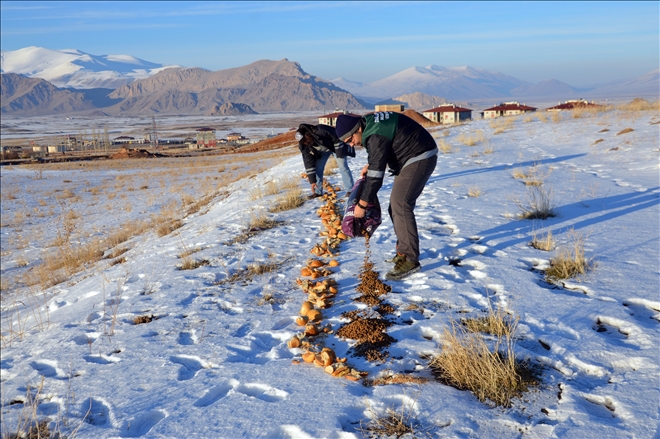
72 68
215 364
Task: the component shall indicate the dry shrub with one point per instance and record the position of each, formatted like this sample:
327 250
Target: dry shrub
570 262
542 117
167 226
495 322
556 116
539 204
289 200
261 221
488 148
639 104
471 140
501 124
392 423
444 147
191 264
545 243
474 191
598 141
466 362
519 175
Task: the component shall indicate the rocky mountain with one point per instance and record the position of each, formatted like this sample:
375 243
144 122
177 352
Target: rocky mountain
231 109
265 86
34 97
75 69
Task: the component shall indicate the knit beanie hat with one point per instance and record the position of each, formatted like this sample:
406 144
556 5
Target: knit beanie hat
346 126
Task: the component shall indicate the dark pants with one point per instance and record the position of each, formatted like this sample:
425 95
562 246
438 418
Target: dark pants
407 187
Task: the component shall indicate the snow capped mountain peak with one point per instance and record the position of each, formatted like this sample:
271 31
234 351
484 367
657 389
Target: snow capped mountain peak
78 69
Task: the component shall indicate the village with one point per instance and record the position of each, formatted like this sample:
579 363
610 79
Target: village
98 143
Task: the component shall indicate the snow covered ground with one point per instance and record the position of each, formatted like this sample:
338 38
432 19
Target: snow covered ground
214 361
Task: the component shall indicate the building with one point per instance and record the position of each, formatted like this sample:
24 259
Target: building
397 108
507 109
448 113
125 139
331 119
205 137
572 104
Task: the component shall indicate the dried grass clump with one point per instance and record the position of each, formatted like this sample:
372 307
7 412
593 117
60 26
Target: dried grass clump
501 124
466 362
471 140
167 226
569 262
495 322
545 243
291 199
556 116
474 191
639 104
540 203
392 424
191 264
444 147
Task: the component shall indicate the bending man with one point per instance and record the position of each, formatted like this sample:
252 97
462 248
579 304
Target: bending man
317 143
396 141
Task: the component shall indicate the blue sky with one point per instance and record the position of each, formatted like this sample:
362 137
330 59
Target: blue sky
580 43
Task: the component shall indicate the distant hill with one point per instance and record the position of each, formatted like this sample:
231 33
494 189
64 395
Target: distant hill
265 86
549 88
647 85
35 97
75 69
420 101
452 83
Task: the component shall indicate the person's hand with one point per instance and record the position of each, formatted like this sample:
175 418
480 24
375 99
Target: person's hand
313 188
359 212
364 170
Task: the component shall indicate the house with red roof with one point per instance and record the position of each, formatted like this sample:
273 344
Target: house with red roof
507 109
206 137
572 104
448 113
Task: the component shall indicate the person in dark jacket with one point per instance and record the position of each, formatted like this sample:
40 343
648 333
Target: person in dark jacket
317 143
396 141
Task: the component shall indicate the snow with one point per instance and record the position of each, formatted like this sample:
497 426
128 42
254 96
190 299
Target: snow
215 362
73 68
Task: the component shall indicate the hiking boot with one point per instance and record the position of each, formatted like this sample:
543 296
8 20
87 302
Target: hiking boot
403 268
311 197
395 260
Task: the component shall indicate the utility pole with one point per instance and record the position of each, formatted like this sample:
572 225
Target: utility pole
154 134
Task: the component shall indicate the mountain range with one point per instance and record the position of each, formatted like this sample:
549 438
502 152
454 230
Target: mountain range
38 81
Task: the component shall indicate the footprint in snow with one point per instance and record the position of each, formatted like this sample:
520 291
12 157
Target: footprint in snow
86 339
261 348
49 369
643 309
101 359
141 424
216 393
263 392
190 365
187 338
96 412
